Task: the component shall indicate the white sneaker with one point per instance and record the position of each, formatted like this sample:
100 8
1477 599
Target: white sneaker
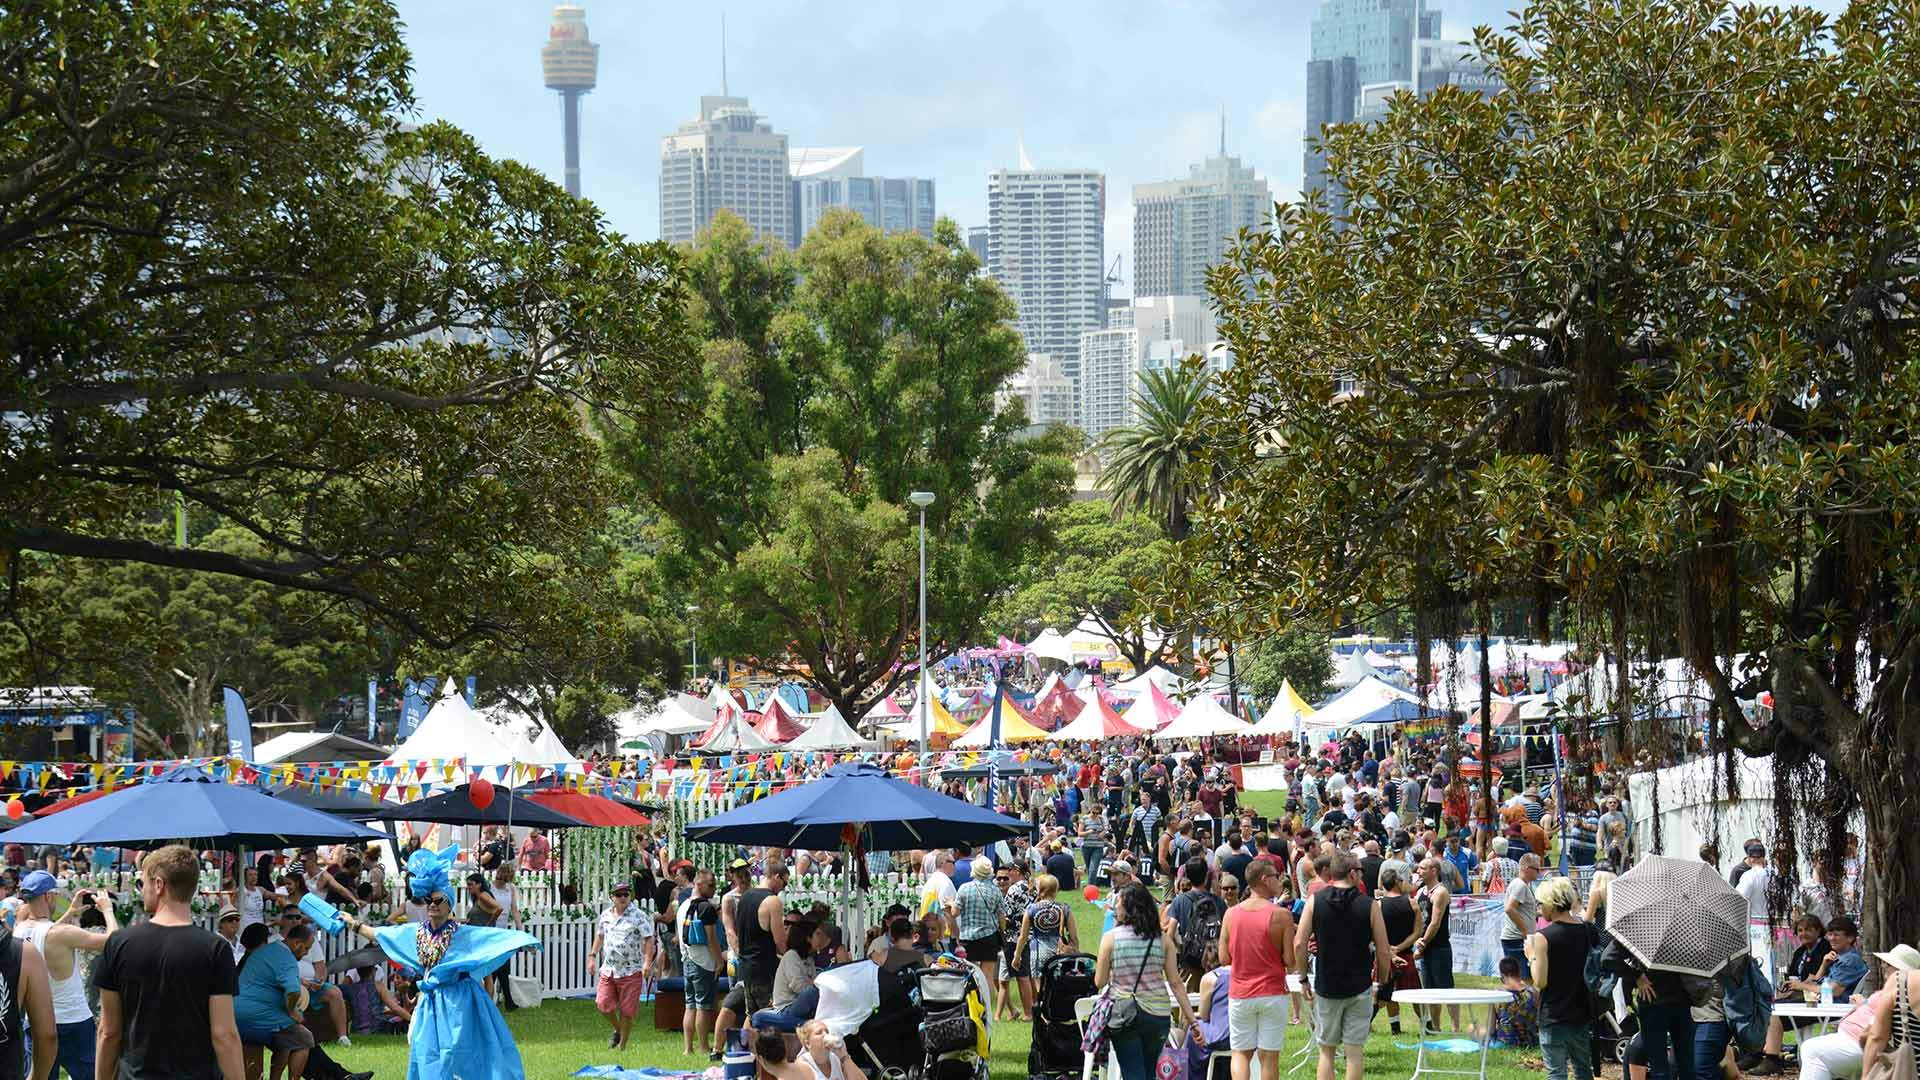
344 1042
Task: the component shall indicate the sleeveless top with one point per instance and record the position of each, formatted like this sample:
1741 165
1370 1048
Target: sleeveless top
1139 968
13 1022
1567 998
1259 969
1343 927
1397 912
1444 935
1214 1027
756 942
69 994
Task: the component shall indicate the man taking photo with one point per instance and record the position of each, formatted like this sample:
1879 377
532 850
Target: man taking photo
57 942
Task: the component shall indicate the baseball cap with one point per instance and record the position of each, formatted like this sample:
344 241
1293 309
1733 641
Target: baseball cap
1755 849
621 887
1121 866
38 883
228 913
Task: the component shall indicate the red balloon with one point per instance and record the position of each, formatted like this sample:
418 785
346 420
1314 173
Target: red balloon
16 809
480 792
1091 892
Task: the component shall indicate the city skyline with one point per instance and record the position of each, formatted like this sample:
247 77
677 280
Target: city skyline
947 95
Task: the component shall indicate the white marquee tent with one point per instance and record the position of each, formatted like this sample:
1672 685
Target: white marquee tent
1203 717
829 731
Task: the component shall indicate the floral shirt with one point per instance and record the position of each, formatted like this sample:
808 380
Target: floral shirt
624 941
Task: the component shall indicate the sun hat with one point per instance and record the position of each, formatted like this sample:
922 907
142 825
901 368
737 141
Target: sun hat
1904 957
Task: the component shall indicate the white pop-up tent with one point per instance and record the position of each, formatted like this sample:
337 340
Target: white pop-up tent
676 714
1362 699
453 729
1203 717
1159 676
830 731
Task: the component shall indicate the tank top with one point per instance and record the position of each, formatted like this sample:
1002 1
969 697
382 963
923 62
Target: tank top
1343 928
1567 998
69 994
757 955
1139 968
1397 913
1258 968
1444 935
13 1035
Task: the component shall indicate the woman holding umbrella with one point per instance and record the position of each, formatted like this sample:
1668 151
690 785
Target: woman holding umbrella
456 1029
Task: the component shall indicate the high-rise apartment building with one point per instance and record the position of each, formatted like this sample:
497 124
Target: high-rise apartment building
1047 248
726 159
1181 228
833 178
1151 331
1043 389
1356 44
1109 360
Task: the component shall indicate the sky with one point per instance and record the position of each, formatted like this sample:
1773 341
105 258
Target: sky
945 91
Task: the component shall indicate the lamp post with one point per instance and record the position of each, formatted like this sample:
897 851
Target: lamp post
923 499
693 629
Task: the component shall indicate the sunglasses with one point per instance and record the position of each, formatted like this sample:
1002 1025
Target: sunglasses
439 900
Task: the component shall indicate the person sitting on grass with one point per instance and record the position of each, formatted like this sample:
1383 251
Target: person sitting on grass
1516 1023
821 1057
375 1009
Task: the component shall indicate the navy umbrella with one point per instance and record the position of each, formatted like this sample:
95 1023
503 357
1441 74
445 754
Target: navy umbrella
895 815
1001 763
186 803
456 807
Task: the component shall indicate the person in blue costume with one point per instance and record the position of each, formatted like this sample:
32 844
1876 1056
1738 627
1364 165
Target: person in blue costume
457 1032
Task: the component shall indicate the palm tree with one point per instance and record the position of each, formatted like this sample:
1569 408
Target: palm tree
1147 459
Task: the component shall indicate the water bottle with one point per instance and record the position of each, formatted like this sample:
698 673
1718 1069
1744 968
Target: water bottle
1826 992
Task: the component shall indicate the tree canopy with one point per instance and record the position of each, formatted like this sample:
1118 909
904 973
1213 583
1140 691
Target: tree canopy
1092 572
828 385
1634 337
231 277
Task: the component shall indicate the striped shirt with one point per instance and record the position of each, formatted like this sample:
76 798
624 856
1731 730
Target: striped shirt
1140 968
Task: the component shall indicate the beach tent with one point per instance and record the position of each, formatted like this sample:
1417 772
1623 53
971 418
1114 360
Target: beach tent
1204 717
830 731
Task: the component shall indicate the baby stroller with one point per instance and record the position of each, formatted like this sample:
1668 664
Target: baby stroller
954 1034
888 1044
1064 980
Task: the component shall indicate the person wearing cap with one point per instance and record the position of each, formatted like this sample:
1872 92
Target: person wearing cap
66 979
619 958
228 927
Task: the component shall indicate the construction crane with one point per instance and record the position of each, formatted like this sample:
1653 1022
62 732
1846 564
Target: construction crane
1113 271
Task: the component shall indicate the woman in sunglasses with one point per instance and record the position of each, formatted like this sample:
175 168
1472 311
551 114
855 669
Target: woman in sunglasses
456 1029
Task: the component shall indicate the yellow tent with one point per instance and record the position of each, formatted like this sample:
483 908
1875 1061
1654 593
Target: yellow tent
1012 723
1288 712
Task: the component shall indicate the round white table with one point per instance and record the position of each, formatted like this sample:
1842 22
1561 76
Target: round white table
1458 996
1800 1010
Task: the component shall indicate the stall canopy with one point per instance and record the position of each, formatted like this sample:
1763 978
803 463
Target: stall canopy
188 803
1155 676
1004 724
1002 764
890 813
1362 703
455 807
1153 711
1288 713
1096 722
940 722
316 746
1202 718
1051 645
676 714
731 733
884 707
1056 708
1351 669
453 729
778 724
588 809
830 731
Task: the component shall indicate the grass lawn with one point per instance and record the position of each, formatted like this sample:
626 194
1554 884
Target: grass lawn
562 1036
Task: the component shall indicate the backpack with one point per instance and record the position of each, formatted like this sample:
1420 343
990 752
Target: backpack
1201 934
1749 1006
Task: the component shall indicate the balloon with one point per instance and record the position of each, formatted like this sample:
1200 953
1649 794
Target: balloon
481 793
1091 892
16 809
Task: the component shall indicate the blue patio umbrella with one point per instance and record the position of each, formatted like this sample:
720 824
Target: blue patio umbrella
1001 763
895 815
187 803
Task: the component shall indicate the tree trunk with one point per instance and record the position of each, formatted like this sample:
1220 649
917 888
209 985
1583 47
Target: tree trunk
1885 771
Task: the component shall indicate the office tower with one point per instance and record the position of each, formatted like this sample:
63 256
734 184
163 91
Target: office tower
570 61
1356 44
1109 360
1452 63
977 241
1047 248
1183 227
1043 388
726 159
832 178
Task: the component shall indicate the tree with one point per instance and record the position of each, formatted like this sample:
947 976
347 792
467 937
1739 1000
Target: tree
827 387
1091 573
1635 337
230 275
165 641
1297 656
1148 469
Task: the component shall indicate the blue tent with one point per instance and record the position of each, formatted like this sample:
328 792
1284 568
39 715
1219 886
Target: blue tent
1393 712
895 815
186 803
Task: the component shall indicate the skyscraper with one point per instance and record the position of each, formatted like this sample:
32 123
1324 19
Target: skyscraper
1356 44
1109 361
832 178
570 61
1043 389
725 159
1183 227
1046 247
1160 331
979 239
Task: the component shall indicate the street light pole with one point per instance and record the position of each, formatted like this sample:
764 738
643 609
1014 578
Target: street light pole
923 499
693 629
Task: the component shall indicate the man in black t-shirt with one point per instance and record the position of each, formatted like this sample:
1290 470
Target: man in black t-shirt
167 986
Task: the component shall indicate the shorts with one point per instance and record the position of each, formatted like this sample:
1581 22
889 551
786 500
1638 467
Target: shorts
1436 967
290 1038
1257 1023
622 993
986 948
746 998
1344 1021
703 988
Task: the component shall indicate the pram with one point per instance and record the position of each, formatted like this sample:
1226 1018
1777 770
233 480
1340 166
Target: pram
1064 980
955 1037
889 1041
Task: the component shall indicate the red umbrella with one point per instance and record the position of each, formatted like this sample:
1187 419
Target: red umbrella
589 809
70 801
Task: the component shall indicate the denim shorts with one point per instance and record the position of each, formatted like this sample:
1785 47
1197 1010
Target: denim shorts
703 987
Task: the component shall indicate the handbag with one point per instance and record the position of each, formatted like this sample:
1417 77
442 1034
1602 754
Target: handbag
1112 1013
1173 1062
1896 1062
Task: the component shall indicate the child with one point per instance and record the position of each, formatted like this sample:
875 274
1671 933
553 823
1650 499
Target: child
374 1008
1517 1024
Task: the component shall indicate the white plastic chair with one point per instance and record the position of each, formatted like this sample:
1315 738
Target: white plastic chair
1081 1010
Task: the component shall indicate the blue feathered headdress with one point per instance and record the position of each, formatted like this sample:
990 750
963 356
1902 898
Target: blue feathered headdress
427 872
